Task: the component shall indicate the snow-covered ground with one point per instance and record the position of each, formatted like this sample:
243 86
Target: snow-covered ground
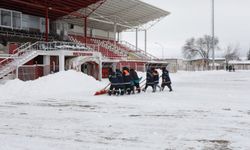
207 110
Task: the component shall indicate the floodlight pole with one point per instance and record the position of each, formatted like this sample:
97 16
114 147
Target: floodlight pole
213 52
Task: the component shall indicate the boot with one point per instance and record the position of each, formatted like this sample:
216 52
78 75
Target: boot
162 88
110 92
154 88
128 91
122 92
117 92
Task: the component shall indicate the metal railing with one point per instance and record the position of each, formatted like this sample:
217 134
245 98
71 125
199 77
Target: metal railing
17 53
138 51
58 45
28 51
25 45
109 46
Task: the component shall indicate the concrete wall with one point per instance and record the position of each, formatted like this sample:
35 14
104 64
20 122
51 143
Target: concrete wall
96 33
99 33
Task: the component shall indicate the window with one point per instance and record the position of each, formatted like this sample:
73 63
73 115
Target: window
6 18
16 19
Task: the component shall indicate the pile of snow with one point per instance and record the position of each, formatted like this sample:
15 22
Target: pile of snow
67 83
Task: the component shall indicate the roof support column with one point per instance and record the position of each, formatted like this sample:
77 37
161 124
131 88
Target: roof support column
46 63
115 30
17 75
118 36
62 62
100 69
46 24
85 30
136 39
146 41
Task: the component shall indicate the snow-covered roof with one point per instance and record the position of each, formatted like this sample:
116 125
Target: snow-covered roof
215 64
126 14
216 59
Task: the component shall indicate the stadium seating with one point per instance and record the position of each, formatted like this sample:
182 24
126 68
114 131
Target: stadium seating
15 35
103 47
112 49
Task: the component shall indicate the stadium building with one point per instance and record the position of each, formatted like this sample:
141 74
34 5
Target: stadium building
39 37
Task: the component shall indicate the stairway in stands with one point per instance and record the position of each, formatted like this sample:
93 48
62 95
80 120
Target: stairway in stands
28 51
22 55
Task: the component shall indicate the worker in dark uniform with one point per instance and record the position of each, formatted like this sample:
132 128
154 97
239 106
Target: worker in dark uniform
155 79
114 82
149 79
120 85
166 80
127 80
135 81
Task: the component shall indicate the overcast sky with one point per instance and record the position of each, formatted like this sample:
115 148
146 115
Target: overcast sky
192 18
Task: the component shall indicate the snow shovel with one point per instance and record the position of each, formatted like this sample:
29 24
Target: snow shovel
143 83
102 91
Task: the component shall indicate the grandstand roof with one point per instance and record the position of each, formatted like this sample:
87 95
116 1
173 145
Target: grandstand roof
126 13
57 8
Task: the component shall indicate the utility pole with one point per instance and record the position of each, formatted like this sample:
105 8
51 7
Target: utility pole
213 53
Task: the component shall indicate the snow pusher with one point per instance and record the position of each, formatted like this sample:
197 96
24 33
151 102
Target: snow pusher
142 83
105 90
102 91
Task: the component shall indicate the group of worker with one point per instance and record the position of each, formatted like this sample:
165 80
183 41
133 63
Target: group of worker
126 81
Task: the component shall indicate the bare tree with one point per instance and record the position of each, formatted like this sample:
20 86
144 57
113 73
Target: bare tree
201 47
248 55
232 53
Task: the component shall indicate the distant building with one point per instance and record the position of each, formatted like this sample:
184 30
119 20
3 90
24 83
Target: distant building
240 65
200 64
174 64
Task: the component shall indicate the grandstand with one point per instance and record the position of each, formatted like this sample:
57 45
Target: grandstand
39 37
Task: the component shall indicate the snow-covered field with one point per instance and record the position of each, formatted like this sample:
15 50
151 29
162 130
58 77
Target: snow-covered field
207 110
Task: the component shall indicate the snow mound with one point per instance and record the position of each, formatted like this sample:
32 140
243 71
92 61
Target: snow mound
66 83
